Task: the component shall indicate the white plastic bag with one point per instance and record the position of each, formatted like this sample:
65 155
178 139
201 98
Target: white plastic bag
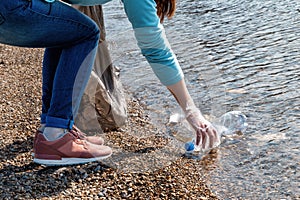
103 104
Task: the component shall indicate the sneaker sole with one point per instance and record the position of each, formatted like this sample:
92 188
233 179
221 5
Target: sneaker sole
68 161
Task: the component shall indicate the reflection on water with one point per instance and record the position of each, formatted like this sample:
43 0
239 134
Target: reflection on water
236 55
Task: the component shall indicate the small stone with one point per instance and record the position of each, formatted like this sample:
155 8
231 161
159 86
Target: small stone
101 194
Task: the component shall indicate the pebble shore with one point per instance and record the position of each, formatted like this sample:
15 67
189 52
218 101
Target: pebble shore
20 178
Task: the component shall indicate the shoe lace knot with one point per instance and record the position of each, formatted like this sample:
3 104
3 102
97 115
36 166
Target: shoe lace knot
79 138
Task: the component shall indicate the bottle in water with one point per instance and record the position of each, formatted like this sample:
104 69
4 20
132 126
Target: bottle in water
230 123
233 122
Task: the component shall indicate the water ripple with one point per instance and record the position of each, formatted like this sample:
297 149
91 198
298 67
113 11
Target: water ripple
236 55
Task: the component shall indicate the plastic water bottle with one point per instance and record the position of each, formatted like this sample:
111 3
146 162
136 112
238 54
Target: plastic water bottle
230 123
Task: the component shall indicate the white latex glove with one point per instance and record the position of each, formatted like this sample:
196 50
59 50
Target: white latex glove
206 134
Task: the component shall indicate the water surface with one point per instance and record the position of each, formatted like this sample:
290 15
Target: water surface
236 55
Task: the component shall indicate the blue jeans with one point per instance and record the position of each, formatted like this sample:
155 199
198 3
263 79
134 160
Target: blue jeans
70 39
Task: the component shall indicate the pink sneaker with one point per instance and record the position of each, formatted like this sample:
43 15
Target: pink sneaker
68 150
92 139
37 133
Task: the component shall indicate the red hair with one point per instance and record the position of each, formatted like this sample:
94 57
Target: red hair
165 8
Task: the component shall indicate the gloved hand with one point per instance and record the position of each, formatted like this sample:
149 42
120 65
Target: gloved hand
206 135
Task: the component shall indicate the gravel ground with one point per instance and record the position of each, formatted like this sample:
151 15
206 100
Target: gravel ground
20 73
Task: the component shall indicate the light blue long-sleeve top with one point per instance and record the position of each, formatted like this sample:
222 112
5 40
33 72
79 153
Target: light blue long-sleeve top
150 36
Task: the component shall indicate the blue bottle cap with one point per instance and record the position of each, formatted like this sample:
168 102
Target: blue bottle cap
189 146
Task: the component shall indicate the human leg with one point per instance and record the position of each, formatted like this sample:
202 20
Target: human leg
50 62
28 24
73 37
